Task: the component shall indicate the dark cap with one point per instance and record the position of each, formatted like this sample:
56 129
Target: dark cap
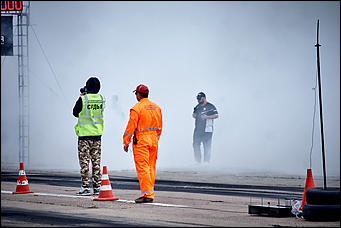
200 95
142 89
93 85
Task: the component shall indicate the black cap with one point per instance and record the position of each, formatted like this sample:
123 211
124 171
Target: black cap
93 85
200 95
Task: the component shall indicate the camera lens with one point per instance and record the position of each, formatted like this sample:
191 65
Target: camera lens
83 90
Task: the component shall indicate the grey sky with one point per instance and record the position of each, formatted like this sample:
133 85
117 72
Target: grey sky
256 62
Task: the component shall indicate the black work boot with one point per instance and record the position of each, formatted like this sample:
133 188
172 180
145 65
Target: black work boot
143 199
96 191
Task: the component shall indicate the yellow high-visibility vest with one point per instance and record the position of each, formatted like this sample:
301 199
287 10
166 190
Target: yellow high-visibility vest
90 120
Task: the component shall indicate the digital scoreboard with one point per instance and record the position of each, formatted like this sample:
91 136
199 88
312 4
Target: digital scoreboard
11 6
8 10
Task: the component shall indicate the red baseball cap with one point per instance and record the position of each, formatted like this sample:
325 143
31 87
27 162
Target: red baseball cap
142 89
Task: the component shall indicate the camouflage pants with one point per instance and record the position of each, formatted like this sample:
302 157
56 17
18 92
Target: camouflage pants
90 150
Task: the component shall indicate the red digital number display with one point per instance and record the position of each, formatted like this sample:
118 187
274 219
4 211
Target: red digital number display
11 5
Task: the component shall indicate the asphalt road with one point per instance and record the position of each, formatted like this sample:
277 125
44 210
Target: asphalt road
182 199
131 183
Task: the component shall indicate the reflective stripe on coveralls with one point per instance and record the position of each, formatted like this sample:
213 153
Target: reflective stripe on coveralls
146 123
90 122
151 128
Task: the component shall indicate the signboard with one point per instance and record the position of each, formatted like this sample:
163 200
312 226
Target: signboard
6 36
11 6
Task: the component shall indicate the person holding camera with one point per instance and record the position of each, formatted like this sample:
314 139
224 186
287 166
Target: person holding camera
145 125
89 129
204 114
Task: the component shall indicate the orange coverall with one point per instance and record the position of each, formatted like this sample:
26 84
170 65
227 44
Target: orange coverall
145 123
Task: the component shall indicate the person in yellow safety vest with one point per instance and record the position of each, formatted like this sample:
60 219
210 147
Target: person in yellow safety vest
89 129
145 125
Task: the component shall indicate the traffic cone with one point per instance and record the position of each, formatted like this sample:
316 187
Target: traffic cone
105 192
22 183
309 183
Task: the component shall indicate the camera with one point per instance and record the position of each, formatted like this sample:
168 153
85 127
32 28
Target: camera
83 90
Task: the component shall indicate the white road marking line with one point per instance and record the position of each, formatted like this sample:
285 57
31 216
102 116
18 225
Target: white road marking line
156 204
167 205
91 197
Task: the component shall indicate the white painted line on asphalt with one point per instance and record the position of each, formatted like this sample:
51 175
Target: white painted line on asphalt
156 204
166 205
50 194
126 201
61 195
91 197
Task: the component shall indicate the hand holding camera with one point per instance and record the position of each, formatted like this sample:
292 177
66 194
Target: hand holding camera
83 90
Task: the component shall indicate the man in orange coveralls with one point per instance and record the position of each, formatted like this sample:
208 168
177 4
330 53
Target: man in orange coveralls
145 125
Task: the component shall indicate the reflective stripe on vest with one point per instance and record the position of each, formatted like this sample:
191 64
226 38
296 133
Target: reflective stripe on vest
150 128
90 122
87 113
90 119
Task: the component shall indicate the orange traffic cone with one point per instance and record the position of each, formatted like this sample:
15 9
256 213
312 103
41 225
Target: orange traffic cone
309 183
22 183
105 192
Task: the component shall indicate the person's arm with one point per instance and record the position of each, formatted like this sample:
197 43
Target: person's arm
211 114
194 115
214 116
78 107
131 126
159 130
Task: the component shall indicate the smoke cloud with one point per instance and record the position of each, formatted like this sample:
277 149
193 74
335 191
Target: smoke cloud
255 61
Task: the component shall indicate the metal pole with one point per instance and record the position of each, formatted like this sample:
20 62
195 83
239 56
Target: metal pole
21 157
320 100
28 86
26 98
